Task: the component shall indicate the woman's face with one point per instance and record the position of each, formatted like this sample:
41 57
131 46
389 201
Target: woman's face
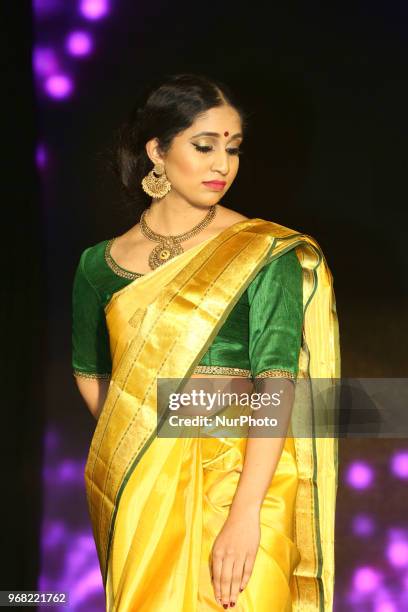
207 151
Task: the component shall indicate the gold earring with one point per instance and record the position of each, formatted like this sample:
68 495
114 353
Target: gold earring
156 183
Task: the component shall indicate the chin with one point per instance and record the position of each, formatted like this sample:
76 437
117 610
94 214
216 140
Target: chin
208 201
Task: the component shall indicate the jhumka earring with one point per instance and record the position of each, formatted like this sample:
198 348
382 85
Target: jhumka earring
156 183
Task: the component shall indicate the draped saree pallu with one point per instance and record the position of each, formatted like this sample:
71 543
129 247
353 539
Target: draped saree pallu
157 504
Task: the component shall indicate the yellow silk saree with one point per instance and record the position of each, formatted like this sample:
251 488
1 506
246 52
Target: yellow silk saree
157 504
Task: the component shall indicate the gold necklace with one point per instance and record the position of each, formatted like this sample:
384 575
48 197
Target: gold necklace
169 246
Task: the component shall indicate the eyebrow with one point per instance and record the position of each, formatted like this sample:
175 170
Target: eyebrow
216 134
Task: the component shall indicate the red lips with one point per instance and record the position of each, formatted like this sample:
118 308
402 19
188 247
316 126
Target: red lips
215 184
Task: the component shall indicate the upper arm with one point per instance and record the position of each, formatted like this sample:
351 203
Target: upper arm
94 392
90 339
276 317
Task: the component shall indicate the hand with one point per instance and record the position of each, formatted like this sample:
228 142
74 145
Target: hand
233 554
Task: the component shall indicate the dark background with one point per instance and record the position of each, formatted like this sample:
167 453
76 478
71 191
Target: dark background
326 89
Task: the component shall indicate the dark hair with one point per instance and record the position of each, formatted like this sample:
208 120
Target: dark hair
163 109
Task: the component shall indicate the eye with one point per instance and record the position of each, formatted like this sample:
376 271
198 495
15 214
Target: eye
235 151
202 149
206 149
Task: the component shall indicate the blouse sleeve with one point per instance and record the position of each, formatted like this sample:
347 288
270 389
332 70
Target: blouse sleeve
90 338
276 317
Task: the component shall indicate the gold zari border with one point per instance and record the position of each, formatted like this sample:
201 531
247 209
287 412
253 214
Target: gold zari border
210 369
217 369
276 373
90 374
115 267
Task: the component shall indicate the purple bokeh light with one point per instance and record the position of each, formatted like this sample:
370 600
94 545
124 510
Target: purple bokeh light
65 471
397 553
399 464
53 534
69 559
69 471
366 579
363 525
59 86
51 438
385 606
87 585
359 475
79 43
397 548
45 61
41 162
94 9
75 569
45 8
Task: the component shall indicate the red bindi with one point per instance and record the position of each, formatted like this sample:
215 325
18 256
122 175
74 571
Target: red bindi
226 133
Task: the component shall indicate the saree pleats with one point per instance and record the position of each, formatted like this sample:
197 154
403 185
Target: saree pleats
157 504
173 507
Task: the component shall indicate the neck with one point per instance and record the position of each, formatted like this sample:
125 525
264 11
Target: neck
168 216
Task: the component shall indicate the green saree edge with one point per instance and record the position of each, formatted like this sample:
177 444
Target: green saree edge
119 495
315 492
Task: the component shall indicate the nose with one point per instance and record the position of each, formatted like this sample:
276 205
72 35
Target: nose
221 163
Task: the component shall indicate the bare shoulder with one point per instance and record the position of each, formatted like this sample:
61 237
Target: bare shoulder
227 216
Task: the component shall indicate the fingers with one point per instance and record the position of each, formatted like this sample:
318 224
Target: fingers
230 575
248 566
216 563
236 580
226 576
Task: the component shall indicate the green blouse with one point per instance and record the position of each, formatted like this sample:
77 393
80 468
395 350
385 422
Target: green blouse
261 336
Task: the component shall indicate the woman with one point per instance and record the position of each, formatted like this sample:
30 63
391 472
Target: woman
199 522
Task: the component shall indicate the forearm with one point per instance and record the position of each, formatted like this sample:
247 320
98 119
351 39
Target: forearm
93 392
96 408
262 454
261 459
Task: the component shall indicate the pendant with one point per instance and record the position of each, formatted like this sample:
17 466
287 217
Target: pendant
164 252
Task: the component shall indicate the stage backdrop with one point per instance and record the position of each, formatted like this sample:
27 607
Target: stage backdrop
325 154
